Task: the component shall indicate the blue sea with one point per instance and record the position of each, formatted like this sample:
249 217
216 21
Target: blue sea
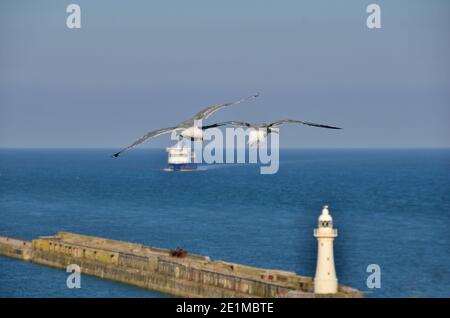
391 208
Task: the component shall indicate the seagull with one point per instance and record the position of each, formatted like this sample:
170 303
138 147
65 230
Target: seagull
259 132
187 128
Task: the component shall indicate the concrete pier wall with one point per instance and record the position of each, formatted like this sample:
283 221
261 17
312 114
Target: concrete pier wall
155 269
15 248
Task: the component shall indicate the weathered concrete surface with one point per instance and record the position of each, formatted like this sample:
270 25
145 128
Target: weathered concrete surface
16 248
155 269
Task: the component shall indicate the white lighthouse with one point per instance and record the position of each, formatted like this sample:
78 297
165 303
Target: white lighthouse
325 281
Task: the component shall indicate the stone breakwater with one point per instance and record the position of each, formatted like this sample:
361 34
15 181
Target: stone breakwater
159 270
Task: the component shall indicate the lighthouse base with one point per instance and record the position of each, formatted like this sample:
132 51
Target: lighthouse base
325 286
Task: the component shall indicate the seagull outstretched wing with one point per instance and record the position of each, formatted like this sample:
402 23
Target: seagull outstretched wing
237 123
212 126
288 121
204 114
144 138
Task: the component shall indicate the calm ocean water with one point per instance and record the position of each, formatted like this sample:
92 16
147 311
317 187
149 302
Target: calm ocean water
391 208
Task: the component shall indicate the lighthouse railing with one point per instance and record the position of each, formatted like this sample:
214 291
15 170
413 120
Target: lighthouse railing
325 231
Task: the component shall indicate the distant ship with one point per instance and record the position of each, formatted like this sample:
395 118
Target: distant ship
180 158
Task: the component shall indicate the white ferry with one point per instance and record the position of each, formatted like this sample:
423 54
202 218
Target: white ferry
181 158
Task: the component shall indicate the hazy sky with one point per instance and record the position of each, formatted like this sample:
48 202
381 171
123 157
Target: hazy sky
136 66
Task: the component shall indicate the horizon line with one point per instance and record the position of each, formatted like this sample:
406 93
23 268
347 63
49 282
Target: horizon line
281 148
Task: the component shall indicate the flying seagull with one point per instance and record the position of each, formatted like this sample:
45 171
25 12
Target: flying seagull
259 132
187 128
